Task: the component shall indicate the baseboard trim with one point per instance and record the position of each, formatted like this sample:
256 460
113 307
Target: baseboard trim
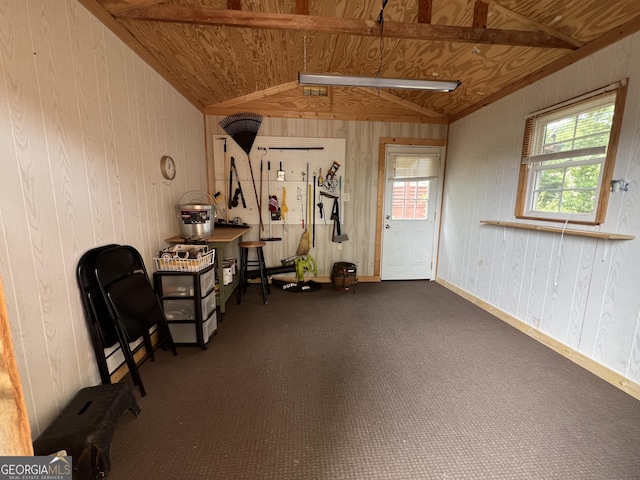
605 373
365 279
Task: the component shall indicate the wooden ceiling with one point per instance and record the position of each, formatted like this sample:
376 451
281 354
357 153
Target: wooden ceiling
228 56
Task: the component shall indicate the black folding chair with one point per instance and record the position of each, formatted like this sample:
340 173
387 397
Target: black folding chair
101 325
129 303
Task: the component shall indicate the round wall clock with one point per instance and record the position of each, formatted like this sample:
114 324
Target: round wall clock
168 167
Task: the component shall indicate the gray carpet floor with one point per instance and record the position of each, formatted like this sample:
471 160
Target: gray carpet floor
401 380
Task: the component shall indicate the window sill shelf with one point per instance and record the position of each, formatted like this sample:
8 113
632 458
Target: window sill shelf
567 231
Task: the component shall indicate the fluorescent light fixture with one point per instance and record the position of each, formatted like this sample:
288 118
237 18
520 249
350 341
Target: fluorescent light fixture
375 82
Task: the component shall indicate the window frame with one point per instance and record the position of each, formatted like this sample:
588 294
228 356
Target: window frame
526 179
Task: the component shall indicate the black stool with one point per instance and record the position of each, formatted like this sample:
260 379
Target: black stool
245 272
85 427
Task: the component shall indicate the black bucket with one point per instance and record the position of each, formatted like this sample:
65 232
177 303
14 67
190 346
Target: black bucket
344 276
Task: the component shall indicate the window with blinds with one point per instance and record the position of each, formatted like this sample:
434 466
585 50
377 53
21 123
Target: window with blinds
567 158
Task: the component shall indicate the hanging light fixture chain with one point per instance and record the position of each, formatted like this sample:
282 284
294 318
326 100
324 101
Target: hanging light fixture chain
305 51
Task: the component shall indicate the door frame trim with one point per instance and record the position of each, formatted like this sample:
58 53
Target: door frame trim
382 160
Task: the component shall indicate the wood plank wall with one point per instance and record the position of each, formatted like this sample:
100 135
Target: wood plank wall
583 292
361 183
83 125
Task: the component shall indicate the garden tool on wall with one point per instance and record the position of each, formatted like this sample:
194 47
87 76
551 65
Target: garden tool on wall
299 200
283 210
321 205
338 236
303 245
330 182
321 209
227 167
233 202
274 209
243 128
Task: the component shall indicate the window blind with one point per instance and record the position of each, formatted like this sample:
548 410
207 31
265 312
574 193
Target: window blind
415 167
539 142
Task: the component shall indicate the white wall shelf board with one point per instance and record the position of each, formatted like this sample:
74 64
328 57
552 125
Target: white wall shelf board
566 231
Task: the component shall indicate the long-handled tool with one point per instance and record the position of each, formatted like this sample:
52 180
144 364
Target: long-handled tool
272 204
303 245
284 209
260 196
233 202
243 128
227 167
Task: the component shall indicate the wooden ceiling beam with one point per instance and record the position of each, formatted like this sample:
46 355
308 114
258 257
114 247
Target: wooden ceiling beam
424 11
539 26
233 5
337 25
480 14
312 115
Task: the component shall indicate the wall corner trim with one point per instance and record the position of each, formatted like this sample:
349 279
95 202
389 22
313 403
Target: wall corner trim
605 373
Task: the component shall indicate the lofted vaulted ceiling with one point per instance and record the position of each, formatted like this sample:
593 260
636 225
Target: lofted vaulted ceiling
227 56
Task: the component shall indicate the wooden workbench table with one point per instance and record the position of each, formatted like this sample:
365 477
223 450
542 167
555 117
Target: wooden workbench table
220 238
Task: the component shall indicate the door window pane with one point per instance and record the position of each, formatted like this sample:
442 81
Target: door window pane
410 200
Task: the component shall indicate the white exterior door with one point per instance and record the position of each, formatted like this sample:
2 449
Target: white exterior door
410 212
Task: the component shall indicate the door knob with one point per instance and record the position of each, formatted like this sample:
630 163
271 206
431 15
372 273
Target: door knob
387 217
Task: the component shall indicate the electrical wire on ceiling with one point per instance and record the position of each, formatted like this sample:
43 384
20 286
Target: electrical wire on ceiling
381 22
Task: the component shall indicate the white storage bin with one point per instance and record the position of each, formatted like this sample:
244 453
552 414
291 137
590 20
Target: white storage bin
186 332
179 309
207 282
185 309
208 305
177 285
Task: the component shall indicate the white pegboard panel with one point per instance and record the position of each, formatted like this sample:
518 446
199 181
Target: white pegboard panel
293 154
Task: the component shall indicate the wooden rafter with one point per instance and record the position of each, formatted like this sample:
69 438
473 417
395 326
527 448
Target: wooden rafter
609 38
424 11
120 6
123 34
539 26
390 97
480 14
302 7
255 95
336 25
233 5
